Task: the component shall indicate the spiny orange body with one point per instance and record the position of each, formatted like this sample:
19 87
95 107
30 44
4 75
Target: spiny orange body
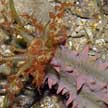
43 56
38 74
44 50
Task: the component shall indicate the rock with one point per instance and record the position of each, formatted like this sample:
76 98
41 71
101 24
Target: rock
1 101
37 8
4 69
105 7
49 102
25 99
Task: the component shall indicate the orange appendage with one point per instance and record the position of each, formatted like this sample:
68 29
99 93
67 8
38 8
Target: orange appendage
36 47
55 39
60 14
38 74
38 26
63 6
52 26
43 57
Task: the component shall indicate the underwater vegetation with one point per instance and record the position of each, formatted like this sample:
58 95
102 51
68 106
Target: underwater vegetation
41 54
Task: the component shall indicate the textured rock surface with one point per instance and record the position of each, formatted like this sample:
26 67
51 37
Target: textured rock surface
39 8
49 102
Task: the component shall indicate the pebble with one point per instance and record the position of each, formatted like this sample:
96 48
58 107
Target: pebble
50 102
